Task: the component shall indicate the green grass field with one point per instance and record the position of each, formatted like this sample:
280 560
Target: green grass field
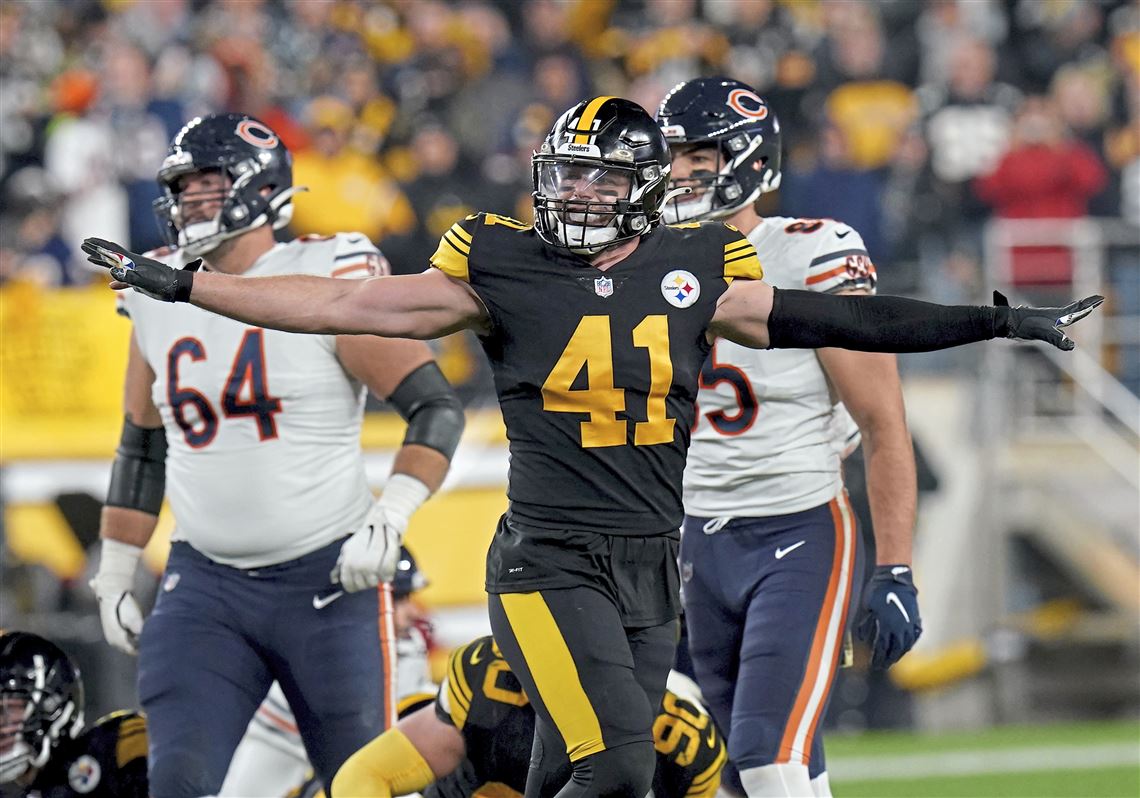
1078 760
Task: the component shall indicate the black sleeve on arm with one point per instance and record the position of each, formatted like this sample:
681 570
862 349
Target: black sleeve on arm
810 320
138 475
434 413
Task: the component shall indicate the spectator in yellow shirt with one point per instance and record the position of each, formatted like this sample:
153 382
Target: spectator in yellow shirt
348 189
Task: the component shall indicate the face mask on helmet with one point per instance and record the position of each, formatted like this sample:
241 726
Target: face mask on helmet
600 176
733 141
41 702
253 175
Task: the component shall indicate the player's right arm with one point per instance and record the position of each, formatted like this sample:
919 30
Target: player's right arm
134 498
425 305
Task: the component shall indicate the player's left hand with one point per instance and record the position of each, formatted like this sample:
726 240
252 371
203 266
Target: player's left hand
371 553
890 623
1044 324
146 275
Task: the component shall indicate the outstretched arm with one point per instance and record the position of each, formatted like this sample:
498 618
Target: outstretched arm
425 305
754 314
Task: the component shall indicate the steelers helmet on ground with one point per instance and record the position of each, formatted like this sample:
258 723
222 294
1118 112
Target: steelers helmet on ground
259 169
729 115
600 176
41 702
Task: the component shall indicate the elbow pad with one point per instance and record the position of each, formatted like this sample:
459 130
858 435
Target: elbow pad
426 400
811 320
138 476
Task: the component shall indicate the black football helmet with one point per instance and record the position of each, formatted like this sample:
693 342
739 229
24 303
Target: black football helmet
409 578
41 702
600 176
250 155
730 115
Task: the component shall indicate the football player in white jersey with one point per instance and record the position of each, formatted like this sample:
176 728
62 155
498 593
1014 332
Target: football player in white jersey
770 556
271 759
281 557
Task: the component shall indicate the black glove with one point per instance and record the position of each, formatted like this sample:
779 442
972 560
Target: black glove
890 624
1040 324
144 274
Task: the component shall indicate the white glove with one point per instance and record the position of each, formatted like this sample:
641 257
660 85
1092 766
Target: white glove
118 610
371 553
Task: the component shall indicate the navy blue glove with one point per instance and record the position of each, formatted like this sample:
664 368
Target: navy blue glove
149 276
890 624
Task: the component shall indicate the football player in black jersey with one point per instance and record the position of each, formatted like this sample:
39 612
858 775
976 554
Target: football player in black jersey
476 739
44 750
596 321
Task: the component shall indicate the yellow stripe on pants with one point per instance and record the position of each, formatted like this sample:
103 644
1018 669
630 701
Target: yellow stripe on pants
554 673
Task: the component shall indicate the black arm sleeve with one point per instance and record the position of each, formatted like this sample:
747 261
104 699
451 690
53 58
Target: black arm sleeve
810 320
138 476
434 413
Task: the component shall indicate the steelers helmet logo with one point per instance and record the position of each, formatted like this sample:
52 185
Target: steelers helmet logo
680 288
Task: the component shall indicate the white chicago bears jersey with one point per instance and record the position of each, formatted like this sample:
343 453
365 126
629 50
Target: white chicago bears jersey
262 427
770 435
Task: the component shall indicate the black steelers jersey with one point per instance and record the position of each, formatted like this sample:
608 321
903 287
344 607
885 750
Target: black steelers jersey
484 701
596 371
108 760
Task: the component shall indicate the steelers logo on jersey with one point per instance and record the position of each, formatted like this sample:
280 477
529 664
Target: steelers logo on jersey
680 288
84 774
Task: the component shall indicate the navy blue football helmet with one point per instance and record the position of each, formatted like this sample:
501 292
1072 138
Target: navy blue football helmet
600 176
41 702
259 169
409 578
730 115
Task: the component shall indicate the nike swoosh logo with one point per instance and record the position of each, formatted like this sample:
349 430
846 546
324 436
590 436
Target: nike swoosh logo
893 599
320 602
844 234
899 570
474 658
782 553
711 738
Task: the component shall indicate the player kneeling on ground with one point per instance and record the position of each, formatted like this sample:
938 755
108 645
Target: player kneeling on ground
476 739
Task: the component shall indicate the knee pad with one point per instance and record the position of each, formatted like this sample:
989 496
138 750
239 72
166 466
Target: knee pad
182 774
622 772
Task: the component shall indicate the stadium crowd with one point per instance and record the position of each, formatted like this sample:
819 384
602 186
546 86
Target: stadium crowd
912 121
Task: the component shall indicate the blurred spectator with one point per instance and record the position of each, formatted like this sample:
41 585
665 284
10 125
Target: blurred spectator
864 100
670 42
374 113
80 156
141 125
1081 97
1046 174
967 125
943 23
31 219
348 190
834 187
438 197
434 72
1050 34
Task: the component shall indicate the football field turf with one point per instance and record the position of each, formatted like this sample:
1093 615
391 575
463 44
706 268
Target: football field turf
1078 760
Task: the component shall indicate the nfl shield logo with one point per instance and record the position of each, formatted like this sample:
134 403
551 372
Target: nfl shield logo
603 287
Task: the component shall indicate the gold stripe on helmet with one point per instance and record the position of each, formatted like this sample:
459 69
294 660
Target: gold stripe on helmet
586 121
